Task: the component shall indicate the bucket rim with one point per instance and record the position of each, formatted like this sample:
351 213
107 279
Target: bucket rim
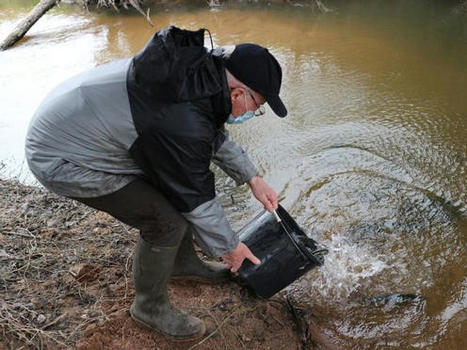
287 219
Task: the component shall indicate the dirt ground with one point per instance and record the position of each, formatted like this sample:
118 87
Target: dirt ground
66 282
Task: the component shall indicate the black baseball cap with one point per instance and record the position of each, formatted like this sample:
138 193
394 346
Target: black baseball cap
258 69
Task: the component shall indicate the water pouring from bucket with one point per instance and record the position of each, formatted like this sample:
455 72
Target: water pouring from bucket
285 251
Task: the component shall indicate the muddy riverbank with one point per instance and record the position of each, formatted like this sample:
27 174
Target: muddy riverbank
66 282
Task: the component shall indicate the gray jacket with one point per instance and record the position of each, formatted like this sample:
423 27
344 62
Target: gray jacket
79 140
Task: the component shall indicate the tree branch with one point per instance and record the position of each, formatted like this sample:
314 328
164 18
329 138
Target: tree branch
23 26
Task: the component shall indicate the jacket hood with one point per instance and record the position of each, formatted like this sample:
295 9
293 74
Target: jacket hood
174 66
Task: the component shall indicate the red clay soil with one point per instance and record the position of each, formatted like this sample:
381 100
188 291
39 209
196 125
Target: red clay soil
234 321
65 282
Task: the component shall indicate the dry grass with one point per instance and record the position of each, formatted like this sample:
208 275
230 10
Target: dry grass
52 249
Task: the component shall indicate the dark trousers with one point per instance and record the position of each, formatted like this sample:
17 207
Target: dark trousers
140 205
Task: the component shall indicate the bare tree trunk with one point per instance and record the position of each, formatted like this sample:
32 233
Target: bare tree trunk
33 16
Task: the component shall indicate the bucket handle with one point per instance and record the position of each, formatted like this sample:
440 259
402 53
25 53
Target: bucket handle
315 255
279 220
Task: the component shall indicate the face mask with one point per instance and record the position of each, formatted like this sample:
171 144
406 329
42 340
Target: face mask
241 118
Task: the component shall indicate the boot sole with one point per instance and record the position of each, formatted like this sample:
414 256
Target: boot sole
168 336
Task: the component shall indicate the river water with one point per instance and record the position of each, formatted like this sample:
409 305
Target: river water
371 160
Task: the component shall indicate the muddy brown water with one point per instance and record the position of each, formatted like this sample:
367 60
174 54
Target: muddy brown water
371 160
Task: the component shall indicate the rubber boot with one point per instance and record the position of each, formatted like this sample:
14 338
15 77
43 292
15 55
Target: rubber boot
151 307
188 266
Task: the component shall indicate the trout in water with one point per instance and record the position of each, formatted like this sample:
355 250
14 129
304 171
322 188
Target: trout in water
392 299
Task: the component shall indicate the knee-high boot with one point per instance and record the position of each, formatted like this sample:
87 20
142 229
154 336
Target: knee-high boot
151 307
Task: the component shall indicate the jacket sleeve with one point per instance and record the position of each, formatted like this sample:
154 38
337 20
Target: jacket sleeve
212 231
234 161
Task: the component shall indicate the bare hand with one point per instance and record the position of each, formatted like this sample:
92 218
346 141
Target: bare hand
234 259
265 194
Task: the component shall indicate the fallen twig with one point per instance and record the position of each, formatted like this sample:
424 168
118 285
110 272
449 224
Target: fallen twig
11 233
301 325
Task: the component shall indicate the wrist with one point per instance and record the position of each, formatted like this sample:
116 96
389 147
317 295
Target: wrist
254 180
233 251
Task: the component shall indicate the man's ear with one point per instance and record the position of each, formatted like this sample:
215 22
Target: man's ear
236 93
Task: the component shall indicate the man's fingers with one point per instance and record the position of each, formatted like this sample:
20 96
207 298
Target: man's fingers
272 197
236 266
239 254
250 256
263 193
267 203
269 206
274 202
253 258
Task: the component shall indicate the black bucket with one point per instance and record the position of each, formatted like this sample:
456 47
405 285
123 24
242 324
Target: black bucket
285 251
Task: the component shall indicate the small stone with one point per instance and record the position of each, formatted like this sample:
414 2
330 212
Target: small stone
84 272
245 338
40 319
25 208
69 223
4 254
52 222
